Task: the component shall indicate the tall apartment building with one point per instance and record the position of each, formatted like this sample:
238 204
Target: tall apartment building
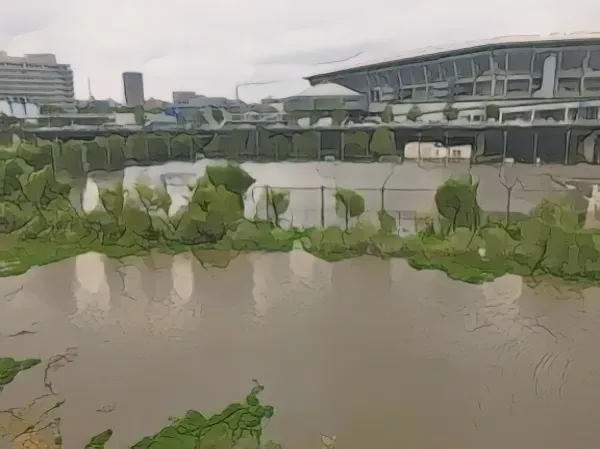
36 77
133 86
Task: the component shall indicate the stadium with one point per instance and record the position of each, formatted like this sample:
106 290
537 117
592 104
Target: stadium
528 78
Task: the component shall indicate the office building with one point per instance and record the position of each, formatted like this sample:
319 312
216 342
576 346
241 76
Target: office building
133 86
36 78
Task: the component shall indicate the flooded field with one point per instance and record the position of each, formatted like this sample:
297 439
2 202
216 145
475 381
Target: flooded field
372 351
409 188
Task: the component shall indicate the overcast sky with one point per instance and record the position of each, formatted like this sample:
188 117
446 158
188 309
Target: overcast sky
210 46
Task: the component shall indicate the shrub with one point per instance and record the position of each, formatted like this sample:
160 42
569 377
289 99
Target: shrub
492 111
382 142
348 204
414 113
277 202
456 202
387 116
450 113
339 114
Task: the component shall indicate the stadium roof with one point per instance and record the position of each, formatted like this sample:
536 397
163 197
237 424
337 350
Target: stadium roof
327 90
362 61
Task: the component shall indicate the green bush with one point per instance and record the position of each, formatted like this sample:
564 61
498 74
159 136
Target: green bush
414 113
239 425
387 115
277 203
182 148
339 115
9 368
456 202
450 113
382 142
355 145
348 204
306 144
492 111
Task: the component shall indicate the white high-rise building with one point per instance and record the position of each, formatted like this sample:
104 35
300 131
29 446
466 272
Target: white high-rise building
37 78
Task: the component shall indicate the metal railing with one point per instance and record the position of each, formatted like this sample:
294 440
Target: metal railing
251 117
412 209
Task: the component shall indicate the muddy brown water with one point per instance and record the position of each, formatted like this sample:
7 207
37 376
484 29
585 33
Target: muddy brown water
372 351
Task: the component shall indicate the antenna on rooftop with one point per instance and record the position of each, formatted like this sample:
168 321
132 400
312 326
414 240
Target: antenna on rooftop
91 97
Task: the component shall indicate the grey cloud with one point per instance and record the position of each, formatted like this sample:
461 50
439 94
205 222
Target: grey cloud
209 46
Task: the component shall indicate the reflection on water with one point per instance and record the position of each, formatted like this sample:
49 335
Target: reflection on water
370 350
182 274
92 292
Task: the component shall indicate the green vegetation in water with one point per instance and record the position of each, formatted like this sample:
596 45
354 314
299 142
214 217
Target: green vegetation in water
9 368
240 425
39 225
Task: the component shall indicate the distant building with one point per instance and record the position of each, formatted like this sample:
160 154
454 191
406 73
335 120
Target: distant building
133 86
326 98
37 78
183 96
154 103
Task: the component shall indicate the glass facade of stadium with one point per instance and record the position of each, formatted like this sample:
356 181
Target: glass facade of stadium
569 71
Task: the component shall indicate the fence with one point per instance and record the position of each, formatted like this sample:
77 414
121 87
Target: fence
412 208
316 206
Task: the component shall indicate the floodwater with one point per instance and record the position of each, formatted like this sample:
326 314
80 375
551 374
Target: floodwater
409 188
372 351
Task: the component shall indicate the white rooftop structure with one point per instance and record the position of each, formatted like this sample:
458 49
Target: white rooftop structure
368 59
327 90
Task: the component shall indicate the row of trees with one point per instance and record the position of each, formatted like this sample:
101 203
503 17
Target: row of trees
111 153
450 113
35 204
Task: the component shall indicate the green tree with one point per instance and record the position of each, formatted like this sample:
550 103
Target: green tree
209 214
277 202
146 213
231 176
106 221
450 113
116 151
34 155
492 111
136 147
339 114
182 147
69 158
348 204
387 116
382 142
414 113
456 202
48 109
557 212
